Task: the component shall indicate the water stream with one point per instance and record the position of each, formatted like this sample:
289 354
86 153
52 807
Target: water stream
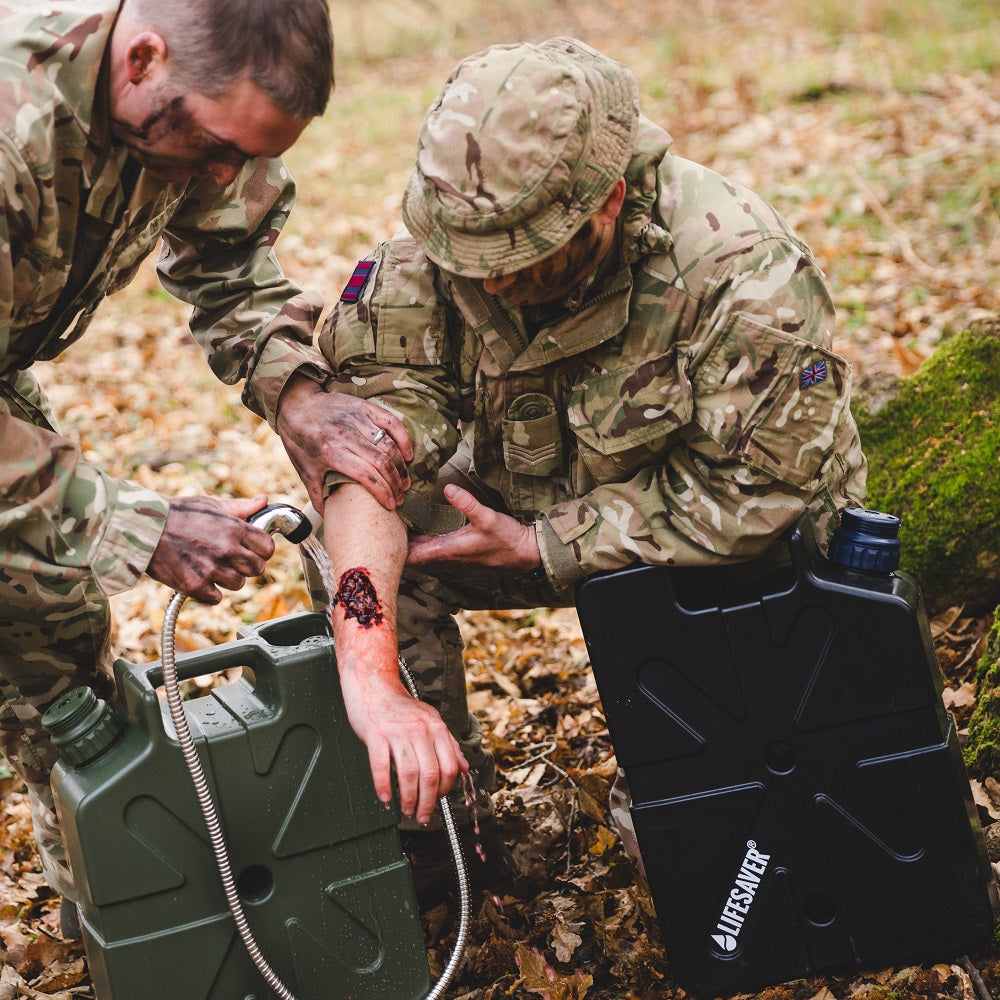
316 551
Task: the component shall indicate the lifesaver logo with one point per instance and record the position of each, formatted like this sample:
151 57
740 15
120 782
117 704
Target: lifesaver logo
740 898
725 941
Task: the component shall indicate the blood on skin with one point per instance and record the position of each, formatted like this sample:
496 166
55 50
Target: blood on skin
356 595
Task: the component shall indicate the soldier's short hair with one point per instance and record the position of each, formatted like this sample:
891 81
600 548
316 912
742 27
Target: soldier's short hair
284 46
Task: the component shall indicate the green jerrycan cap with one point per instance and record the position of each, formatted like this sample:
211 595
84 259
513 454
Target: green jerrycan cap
82 726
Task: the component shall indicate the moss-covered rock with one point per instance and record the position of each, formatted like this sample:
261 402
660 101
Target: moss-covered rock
934 461
982 747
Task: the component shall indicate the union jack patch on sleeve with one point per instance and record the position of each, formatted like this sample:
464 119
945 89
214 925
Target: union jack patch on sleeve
812 375
356 285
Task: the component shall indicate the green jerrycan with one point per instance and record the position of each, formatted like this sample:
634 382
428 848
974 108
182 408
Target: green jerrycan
315 854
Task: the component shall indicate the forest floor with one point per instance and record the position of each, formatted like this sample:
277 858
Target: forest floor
875 130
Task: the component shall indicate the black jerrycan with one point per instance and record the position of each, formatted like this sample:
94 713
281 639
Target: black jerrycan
315 855
798 794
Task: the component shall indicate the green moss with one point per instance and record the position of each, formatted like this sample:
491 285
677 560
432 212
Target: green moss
934 460
878 992
982 746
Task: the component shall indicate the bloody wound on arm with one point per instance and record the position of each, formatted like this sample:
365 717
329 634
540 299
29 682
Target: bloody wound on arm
356 595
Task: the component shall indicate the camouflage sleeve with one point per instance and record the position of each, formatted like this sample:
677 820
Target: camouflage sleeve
16 214
686 512
55 509
66 520
252 322
388 342
762 431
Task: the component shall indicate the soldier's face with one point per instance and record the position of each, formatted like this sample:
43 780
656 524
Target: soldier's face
558 274
554 277
187 135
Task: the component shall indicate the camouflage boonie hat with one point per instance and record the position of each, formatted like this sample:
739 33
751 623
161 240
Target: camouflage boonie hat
524 143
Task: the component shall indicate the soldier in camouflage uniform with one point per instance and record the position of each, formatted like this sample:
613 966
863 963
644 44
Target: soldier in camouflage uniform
121 123
603 353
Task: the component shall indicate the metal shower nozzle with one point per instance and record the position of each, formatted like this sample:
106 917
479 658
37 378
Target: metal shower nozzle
292 523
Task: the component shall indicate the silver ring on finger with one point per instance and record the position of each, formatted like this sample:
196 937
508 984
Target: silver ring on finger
379 434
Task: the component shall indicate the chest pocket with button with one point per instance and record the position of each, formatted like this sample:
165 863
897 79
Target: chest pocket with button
623 419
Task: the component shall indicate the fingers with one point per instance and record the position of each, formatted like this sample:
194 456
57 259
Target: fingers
426 767
410 779
380 440
244 509
380 763
258 542
382 470
439 767
463 501
207 543
385 421
335 432
205 593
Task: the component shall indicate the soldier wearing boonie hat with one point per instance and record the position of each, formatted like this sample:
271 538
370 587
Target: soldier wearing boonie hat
605 354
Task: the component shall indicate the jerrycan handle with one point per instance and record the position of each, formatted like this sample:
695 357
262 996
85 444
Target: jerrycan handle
214 660
138 683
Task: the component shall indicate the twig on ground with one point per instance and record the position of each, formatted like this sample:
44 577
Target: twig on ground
977 980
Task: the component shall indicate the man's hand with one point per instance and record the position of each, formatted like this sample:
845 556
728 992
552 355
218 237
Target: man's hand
489 539
207 542
398 730
332 431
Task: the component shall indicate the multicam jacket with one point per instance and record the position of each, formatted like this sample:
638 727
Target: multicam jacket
78 218
684 411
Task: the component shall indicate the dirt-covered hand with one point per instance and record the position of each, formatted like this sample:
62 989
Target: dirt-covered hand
207 543
334 432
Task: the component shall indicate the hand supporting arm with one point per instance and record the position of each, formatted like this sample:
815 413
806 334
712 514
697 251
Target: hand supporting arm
489 539
333 431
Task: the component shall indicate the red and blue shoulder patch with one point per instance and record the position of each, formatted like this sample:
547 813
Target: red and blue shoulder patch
356 284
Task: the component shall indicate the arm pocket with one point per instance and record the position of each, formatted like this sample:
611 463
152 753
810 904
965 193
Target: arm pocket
773 399
532 439
410 324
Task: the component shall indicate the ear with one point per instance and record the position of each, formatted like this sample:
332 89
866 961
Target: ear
145 53
613 204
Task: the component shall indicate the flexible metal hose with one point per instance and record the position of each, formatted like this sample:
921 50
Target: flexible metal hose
190 752
461 873
289 521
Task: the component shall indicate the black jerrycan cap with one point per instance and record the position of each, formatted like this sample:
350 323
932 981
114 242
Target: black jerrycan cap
82 726
866 540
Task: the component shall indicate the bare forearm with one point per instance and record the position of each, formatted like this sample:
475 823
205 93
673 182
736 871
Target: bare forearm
367 549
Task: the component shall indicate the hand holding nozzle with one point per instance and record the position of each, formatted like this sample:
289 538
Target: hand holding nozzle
208 543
